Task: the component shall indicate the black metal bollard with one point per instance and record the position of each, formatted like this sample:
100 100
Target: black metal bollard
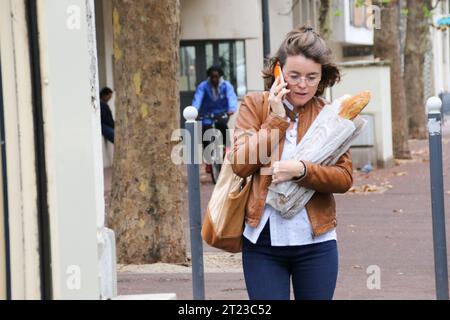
195 216
437 197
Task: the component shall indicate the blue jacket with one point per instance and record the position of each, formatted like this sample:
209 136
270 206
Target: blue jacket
205 102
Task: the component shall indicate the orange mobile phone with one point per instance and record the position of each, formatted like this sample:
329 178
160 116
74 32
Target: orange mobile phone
277 71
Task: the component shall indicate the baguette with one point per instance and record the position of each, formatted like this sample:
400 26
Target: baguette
352 106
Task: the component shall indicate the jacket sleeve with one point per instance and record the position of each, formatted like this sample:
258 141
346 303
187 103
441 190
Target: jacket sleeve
337 178
231 98
198 97
253 141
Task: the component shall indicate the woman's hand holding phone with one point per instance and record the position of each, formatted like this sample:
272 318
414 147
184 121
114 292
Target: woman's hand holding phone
277 92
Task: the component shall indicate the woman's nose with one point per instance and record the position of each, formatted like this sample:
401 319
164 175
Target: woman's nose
302 83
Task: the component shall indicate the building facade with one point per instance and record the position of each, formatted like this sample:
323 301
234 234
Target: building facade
440 39
53 244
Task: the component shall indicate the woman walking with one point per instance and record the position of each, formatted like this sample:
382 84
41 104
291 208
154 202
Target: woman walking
301 249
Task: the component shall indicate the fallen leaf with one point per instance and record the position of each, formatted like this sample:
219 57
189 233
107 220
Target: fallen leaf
371 188
419 152
352 190
356 266
368 188
397 210
400 174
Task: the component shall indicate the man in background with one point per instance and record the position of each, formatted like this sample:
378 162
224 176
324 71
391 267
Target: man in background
215 96
106 114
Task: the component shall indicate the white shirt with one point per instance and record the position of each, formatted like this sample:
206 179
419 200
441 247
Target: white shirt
287 232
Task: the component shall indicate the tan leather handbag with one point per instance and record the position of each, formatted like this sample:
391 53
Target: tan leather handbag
223 223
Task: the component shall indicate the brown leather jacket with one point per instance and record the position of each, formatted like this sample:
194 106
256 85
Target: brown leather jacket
252 133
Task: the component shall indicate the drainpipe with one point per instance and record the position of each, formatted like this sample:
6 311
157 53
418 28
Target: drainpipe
5 192
41 172
266 28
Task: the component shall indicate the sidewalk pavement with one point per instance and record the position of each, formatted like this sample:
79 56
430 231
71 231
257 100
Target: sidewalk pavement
384 221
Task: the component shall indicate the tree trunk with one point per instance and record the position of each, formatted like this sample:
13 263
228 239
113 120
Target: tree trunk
417 43
387 47
146 187
324 19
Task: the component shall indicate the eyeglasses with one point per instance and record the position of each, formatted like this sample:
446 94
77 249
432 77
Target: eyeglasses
295 80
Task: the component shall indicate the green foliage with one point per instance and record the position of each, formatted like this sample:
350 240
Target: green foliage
426 12
404 12
360 3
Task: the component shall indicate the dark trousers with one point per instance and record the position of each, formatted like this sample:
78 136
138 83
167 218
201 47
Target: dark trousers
268 270
221 125
108 133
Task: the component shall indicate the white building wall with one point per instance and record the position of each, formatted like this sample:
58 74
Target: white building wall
441 52
82 250
108 48
281 21
446 51
342 30
19 136
216 19
73 145
232 19
437 61
377 80
105 45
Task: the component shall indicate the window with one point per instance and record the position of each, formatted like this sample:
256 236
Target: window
188 77
241 76
360 12
307 13
197 56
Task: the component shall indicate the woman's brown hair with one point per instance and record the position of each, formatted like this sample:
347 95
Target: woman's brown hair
306 42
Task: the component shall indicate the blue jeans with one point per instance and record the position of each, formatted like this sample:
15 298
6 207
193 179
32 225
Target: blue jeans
268 270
